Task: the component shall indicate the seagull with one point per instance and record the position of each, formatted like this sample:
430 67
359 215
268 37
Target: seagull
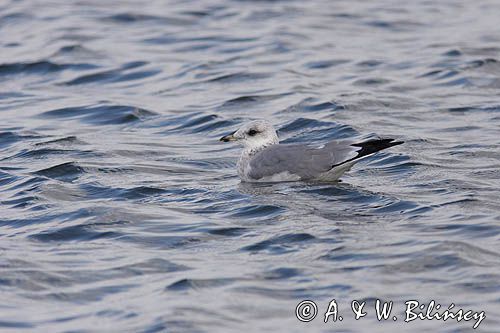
264 159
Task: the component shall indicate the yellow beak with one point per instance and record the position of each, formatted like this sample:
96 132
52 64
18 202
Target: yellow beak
227 138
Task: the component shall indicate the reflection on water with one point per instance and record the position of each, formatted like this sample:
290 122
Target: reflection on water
120 207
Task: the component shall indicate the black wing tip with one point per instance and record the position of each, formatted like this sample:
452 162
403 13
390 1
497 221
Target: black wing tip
379 143
370 147
375 145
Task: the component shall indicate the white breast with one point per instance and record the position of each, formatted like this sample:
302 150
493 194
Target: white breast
244 170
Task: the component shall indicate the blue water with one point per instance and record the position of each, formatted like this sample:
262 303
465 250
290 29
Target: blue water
122 212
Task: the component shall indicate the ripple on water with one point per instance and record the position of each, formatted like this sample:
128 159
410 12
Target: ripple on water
100 114
81 233
314 131
238 77
453 71
249 101
228 232
322 64
196 284
11 137
198 124
49 152
256 211
313 105
41 67
67 172
6 178
135 18
281 244
445 256
341 253
126 73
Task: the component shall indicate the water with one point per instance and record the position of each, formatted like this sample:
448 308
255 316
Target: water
121 211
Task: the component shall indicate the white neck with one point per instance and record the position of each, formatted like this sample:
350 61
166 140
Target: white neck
247 154
255 146
249 151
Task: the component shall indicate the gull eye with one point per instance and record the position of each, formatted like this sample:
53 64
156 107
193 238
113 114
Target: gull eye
252 132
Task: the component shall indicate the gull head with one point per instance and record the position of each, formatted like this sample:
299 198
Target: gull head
254 135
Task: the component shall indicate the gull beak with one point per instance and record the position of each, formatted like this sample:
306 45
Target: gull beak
229 137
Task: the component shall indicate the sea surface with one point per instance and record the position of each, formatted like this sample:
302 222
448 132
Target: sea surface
122 212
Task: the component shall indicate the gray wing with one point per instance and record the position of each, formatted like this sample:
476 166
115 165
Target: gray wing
300 159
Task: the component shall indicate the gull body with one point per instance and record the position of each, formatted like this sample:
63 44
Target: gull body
264 159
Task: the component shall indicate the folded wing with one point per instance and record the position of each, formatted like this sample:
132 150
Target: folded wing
301 160
310 162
